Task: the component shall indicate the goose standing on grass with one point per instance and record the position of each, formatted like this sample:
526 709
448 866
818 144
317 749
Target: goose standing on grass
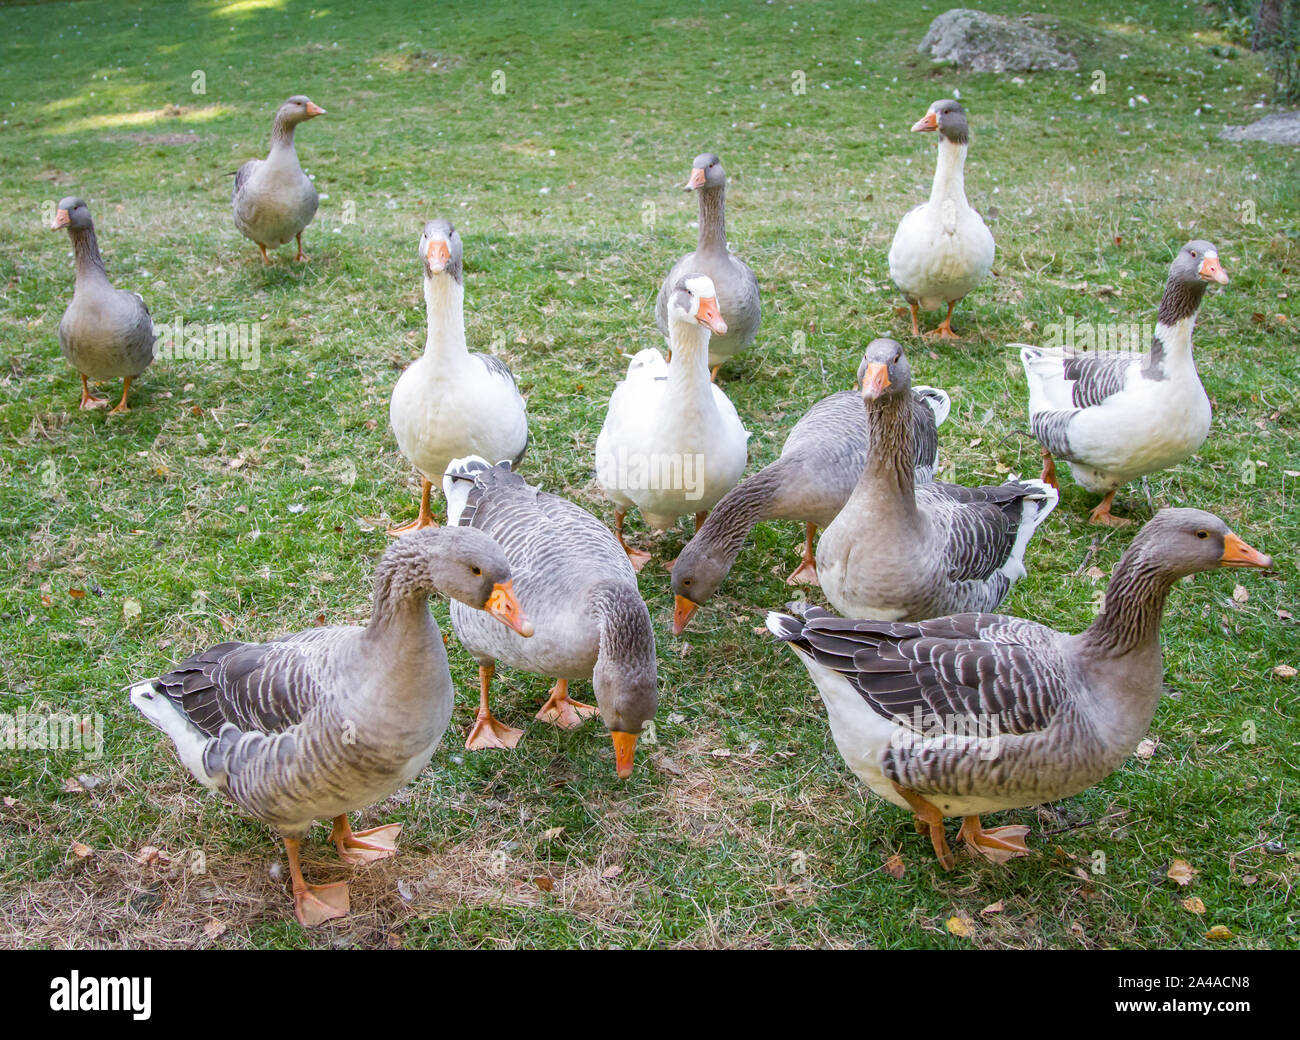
274 200
672 442
105 333
977 713
734 281
450 402
578 586
899 551
942 248
819 467
323 722
1118 416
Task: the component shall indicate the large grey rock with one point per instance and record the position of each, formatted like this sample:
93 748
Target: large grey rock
1279 128
990 43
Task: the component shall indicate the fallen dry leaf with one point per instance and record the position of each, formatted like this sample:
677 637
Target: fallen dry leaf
77 593
151 854
213 928
894 866
611 872
1239 594
551 833
1181 871
994 908
70 786
1193 905
1219 931
1146 748
81 851
544 883
1284 671
960 924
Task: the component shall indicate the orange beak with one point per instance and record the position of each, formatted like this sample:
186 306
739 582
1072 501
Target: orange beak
709 315
439 255
876 382
929 121
314 109
683 608
1212 271
60 220
624 752
695 180
503 606
1237 553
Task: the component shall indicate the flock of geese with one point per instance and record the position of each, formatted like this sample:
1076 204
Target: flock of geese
939 705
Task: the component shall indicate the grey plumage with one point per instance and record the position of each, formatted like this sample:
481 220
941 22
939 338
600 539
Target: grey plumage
272 199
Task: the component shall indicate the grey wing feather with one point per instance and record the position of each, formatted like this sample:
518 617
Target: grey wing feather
1052 430
242 174
983 524
1095 378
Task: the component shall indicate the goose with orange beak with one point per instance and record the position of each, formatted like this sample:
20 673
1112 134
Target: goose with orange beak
942 249
1119 415
451 402
105 333
579 587
672 443
734 282
273 199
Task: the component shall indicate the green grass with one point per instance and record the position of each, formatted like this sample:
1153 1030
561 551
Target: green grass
240 504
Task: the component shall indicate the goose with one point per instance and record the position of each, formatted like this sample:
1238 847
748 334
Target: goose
735 282
327 721
977 713
819 467
273 200
449 402
942 248
578 586
1121 415
672 443
105 333
899 551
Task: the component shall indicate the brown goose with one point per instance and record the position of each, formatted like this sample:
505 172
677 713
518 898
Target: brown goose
976 713
578 586
323 722
105 333
819 467
733 279
273 200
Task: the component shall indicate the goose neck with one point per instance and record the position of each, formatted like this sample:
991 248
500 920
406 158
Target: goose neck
713 222
85 248
444 303
949 173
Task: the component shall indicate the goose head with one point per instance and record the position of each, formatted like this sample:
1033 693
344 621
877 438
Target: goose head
948 118
694 300
884 372
463 564
72 213
298 109
1184 541
706 172
627 693
440 250
1198 261
696 575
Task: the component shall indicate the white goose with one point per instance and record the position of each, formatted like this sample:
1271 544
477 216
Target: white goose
942 248
672 443
450 403
1119 416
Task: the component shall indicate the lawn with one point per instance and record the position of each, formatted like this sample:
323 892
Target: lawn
236 502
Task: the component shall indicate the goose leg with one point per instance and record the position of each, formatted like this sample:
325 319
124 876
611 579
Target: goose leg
997 844
364 846
488 731
806 572
314 904
425 519
638 557
88 399
266 260
944 331
1102 514
713 373
301 255
121 405
1049 470
916 315
932 818
560 711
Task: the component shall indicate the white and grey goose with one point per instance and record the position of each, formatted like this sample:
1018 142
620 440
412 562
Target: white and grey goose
942 248
105 333
977 713
326 721
672 443
899 551
733 279
273 199
578 587
451 402
1117 416
819 467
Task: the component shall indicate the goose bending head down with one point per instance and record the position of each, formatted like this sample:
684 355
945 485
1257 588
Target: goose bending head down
327 721
976 713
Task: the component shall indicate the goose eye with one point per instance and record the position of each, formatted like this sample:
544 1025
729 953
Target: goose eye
686 582
477 571
1193 252
1202 534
